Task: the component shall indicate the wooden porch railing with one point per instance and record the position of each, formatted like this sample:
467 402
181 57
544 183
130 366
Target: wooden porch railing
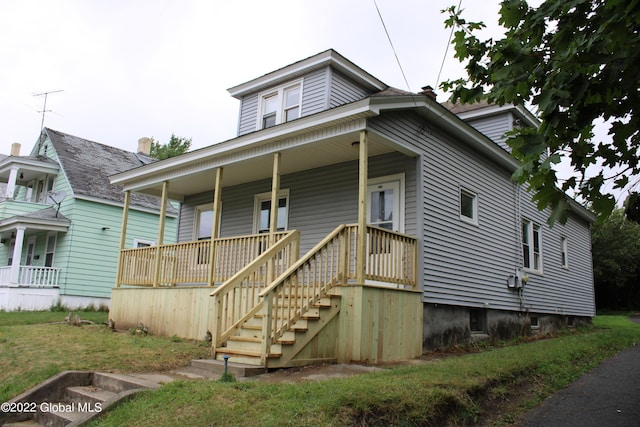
391 257
237 300
189 262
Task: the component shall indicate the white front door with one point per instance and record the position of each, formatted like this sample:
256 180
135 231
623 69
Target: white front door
384 203
385 209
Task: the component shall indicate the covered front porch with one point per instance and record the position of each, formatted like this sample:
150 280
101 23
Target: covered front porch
352 296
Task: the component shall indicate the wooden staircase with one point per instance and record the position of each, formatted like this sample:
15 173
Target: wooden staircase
246 344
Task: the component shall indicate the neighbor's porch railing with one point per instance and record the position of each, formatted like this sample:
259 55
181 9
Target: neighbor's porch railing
31 276
188 263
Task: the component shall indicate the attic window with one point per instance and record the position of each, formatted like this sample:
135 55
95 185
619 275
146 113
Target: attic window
280 105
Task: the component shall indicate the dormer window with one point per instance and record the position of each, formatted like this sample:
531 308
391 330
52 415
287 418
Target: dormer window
280 105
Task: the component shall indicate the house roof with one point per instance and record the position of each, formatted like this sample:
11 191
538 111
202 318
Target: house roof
88 165
327 58
44 219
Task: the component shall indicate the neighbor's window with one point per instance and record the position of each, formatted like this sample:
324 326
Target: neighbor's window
280 105
142 243
468 206
262 210
531 246
564 252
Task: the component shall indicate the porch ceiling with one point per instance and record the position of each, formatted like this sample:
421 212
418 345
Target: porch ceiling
326 152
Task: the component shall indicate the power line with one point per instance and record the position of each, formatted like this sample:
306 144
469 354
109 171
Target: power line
392 47
446 49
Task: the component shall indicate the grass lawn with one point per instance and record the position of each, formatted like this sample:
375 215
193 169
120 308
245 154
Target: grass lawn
493 386
36 345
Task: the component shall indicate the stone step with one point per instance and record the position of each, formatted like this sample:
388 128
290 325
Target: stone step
88 393
118 383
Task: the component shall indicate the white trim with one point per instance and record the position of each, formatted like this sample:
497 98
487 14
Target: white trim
389 179
259 198
466 191
530 224
564 252
145 242
279 93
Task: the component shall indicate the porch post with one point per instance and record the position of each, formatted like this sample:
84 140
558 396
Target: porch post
11 183
215 225
17 253
361 246
163 213
123 234
273 220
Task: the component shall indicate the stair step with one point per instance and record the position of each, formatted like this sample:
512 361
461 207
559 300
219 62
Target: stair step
118 383
59 415
90 393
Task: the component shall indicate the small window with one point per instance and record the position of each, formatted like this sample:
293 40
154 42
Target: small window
280 105
141 243
564 254
50 250
263 211
531 246
477 321
204 221
468 206
535 323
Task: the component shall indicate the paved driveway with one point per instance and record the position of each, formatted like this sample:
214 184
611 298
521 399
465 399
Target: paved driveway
607 396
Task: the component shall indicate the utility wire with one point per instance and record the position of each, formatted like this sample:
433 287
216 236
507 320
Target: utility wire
392 47
446 49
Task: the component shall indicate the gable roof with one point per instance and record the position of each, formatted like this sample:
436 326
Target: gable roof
88 165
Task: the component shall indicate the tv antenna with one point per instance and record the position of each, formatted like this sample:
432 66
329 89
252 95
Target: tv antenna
44 106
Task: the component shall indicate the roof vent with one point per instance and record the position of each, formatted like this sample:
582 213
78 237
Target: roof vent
144 145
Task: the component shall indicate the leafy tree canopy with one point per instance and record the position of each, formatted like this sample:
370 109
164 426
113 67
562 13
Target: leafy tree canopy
575 62
616 250
175 147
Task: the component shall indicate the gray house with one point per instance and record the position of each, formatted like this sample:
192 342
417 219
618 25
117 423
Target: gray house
398 228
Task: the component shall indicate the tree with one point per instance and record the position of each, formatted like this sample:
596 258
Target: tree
175 147
575 62
616 250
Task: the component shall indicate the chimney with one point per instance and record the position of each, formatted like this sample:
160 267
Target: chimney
144 145
428 91
15 149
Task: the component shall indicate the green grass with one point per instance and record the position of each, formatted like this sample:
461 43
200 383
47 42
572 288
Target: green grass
452 391
36 345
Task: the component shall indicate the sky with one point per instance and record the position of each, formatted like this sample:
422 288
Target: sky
128 69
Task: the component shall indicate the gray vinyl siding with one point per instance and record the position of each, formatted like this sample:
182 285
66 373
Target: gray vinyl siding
344 91
248 114
468 265
319 200
494 127
314 92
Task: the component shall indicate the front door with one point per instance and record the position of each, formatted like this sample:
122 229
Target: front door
384 210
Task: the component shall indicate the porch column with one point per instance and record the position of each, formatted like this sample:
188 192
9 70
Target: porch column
123 233
273 220
215 226
11 183
163 213
17 253
361 246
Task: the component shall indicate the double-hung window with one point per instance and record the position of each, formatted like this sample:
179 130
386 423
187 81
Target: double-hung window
564 252
263 211
531 246
280 105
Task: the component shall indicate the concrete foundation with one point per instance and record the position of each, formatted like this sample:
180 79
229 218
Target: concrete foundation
447 326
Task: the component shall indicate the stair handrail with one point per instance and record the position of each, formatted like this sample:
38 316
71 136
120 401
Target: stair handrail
267 258
274 329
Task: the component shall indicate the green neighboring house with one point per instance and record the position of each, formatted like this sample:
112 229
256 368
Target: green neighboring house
60 221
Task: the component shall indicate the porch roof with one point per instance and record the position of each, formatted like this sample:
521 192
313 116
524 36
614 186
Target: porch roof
48 219
309 142
30 167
